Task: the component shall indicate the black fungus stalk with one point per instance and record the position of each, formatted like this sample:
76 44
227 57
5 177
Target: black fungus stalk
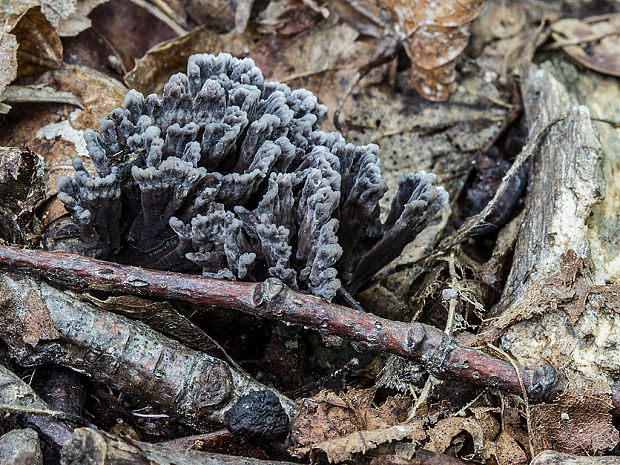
231 175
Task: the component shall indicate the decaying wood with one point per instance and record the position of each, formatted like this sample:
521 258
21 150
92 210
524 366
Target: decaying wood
189 385
442 355
99 448
13 391
547 311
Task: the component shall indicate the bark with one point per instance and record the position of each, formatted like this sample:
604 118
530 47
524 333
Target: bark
99 448
20 447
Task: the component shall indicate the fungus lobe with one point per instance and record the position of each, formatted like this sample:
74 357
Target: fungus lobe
230 175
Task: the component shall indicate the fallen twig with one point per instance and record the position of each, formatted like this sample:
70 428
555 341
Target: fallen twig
44 412
474 221
442 355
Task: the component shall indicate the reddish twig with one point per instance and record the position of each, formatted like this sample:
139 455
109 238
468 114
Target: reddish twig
442 355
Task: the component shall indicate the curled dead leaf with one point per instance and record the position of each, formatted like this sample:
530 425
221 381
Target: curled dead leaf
344 448
434 34
508 451
152 71
593 42
39 93
448 434
67 17
39 44
343 424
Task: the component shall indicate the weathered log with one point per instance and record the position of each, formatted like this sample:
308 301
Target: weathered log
191 386
557 305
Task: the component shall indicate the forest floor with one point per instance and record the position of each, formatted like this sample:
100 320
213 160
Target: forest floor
492 338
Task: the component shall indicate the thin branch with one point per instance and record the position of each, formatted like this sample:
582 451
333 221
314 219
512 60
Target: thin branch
442 355
474 221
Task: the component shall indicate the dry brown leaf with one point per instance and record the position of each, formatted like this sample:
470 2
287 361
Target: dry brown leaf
508 451
98 92
67 17
447 434
153 70
55 131
394 410
340 449
39 44
320 418
434 33
593 42
512 54
505 18
508 32
161 316
327 417
287 17
122 31
38 325
579 422
38 93
324 60
58 150
328 46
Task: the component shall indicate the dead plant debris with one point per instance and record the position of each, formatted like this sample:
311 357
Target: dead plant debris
107 362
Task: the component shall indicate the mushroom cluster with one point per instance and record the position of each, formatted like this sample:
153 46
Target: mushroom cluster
230 175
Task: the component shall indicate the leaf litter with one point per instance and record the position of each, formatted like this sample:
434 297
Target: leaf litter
435 112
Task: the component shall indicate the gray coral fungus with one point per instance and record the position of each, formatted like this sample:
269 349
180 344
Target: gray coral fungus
230 175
